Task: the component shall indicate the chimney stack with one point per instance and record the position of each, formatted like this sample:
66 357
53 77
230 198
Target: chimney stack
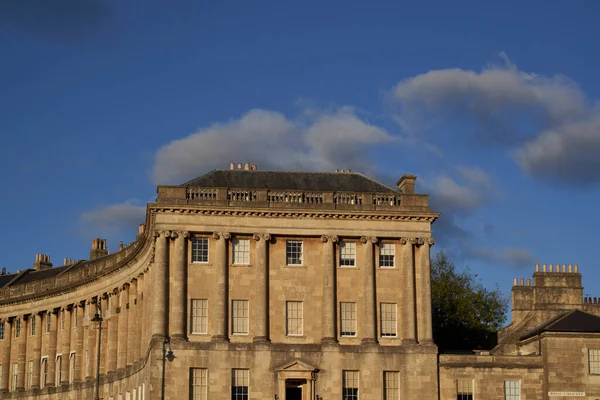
98 249
407 183
3 271
42 261
120 246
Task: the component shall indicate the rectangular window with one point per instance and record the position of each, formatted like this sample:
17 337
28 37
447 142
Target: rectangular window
350 388
199 316
512 390
199 384
594 361
2 330
241 251
199 250
32 325
347 254
240 380
239 317
294 318
15 376
58 370
386 255
62 319
464 389
43 372
388 320
347 319
293 252
74 317
18 328
391 385
48 322
29 374
71 367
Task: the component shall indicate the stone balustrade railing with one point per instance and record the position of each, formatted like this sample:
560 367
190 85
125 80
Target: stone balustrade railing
291 199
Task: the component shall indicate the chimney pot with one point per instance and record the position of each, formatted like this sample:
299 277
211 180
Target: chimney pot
570 268
231 166
528 282
516 282
3 270
246 167
239 166
576 268
120 246
543 267
253 167
522 282
537 267
564 269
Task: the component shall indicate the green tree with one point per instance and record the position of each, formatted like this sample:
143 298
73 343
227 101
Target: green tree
466 315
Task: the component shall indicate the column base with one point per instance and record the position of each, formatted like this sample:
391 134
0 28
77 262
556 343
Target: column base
409 341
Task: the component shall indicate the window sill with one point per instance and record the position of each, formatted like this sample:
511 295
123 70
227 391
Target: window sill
295 266
240 265
201 263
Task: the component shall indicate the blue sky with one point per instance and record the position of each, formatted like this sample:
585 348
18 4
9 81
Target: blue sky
493 106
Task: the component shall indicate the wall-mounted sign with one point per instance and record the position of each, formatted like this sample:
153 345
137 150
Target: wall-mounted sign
567 394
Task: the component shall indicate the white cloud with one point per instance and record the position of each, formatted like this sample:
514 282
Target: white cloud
511 256
112 220
320 141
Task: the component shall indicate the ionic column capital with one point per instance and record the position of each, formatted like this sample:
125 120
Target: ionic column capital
158 234
221 235
332 238
372 239
262 236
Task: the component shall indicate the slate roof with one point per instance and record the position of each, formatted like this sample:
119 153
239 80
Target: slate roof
290 180
572 321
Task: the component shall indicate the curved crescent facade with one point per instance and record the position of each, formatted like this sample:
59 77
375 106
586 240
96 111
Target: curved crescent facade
241 284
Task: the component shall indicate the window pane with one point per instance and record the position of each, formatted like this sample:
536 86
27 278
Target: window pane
199 383
293 252
199 316
294 317
240 316
239 384
347 254
391 385
464 389
200 250
348 319
512 390
2 330
350 388
386 255
241 251
594 359
388 320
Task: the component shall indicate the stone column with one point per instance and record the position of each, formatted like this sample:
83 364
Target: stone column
140 327
220 315
91 340
78 347
123 315
329 322
53 337
22 354
113 332
369 298
179 287
37 350
424 328
132 322
66 346
261 316
160 284
408 309
104 356
6 361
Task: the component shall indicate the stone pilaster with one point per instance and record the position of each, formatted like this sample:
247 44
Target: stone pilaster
22 353
132 322
78 345
369 299
160 285
52 344
91 340
6 361
66 346
220 315
37 350
105 312
142 312
408 309
123 314
424 328
113 332
329 322
261 316
178 283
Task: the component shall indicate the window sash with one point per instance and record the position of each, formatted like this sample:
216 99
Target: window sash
594 361
347 319
199 316
294 318
241 251
464 389
293 252
388 316
240 382
350 385
512 390
2 330
387 251
391 385
15 375
18 328
29 373
43 372
347 254
32 326
199 250
48 322
71 367
239 317
199 384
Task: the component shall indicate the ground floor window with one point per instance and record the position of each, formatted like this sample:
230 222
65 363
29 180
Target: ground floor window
350 388
391 385
512 390
199 384
464 389
240 379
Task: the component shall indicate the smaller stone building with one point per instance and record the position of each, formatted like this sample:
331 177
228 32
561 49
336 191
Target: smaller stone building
551 349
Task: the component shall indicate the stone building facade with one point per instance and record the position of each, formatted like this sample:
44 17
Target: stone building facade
241 284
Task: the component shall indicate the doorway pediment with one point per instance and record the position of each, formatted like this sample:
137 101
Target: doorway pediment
296 365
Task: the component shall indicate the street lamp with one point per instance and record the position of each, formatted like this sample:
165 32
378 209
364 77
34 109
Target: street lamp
97 319
167 355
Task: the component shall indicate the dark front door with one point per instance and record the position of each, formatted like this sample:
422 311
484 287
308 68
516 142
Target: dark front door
293 393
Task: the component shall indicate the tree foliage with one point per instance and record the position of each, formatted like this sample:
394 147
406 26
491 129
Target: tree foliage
466 315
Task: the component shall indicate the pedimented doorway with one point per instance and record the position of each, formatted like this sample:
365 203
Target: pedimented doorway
293 389
295 381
